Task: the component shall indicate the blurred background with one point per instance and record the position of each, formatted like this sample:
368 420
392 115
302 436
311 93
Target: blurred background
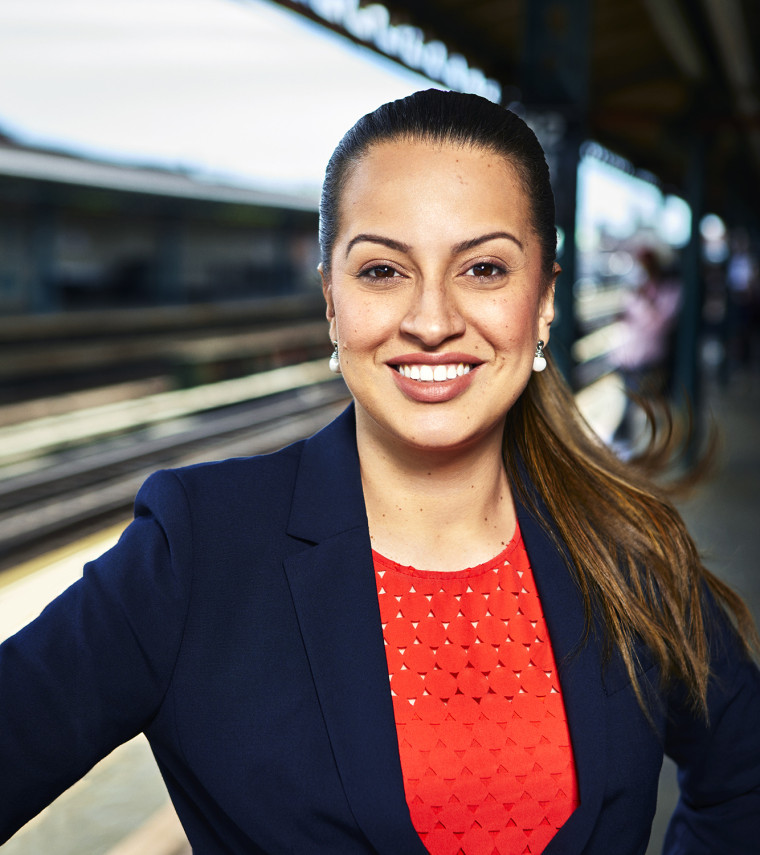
160 168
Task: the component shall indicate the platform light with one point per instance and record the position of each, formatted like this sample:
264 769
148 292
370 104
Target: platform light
372 24
675 221
613 198
715 237
712 228
560 241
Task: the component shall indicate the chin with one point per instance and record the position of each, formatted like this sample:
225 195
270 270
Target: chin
431 427
444 437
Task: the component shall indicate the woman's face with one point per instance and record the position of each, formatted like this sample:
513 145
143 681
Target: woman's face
435 295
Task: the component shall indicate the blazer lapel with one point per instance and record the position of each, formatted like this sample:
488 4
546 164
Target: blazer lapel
333 587
332 583
580 668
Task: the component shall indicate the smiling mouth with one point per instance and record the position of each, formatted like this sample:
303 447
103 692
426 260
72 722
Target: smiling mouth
436 373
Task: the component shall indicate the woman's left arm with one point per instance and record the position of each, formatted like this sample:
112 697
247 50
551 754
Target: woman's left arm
719 758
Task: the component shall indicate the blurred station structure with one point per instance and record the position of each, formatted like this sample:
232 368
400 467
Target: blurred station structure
664 90
669 90
81 234
149 318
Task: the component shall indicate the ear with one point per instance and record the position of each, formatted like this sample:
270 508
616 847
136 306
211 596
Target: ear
546 306
329 304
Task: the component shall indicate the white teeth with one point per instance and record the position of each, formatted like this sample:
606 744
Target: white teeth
435 373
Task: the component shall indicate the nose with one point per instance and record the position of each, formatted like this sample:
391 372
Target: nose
433 316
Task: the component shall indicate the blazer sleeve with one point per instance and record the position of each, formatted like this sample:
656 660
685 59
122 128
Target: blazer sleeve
91 671
718 759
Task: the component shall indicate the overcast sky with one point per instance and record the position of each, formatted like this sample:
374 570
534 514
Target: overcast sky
244 88
239 89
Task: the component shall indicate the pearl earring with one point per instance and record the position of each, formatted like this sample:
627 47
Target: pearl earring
539 360
335 360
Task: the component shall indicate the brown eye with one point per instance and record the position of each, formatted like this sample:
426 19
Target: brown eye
485 270
382 271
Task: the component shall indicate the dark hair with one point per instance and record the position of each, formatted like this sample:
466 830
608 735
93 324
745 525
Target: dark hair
637 568
444 117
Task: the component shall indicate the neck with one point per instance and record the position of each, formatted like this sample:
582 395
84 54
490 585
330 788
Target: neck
437 510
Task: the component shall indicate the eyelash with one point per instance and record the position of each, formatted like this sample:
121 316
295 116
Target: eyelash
368 271
497 271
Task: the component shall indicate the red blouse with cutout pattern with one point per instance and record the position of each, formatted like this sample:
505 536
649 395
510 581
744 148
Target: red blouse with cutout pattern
483 738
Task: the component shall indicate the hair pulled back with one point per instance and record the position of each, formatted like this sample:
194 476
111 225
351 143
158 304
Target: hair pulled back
637 568
445 118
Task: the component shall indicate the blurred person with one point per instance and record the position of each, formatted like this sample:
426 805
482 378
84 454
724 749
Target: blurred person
743 301
451 621
643 354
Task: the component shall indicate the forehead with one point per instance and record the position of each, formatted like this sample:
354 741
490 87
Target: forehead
415 159
436 184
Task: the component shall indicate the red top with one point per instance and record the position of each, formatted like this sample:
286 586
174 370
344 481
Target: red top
483 738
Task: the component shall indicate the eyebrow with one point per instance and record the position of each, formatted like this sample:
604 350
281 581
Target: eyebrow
463 246
473 242
389 242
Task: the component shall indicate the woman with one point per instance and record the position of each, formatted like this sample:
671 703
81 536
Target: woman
644 350
545 623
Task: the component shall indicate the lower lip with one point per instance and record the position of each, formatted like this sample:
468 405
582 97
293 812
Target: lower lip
433 391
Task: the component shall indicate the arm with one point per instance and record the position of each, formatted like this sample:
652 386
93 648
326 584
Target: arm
92 670
718 760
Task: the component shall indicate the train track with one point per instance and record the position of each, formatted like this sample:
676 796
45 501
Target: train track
47 355
73 490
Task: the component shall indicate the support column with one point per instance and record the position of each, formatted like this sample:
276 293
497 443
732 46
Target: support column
168 286
554 84
565 181
41 285
687 379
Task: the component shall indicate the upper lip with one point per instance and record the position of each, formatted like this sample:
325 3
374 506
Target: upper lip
453 358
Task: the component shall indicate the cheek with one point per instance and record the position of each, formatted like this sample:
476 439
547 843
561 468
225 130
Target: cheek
511 327
361 324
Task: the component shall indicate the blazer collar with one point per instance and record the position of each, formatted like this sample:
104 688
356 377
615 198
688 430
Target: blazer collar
328 497
333 587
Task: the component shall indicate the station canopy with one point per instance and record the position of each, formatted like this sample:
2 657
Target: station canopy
673 86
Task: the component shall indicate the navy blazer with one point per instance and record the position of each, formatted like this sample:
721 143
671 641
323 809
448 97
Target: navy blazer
236 623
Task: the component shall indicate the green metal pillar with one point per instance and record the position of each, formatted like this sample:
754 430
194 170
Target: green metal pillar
565 180
43 295
168 286
554 84
687 379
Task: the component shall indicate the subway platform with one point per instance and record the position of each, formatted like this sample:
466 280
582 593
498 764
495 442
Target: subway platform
121 807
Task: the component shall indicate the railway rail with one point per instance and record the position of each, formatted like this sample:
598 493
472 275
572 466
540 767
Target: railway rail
78 487
47 355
